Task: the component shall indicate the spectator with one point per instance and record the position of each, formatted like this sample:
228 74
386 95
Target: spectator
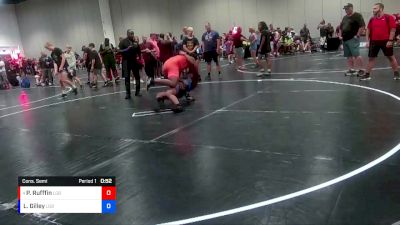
397 16
87 61
211 49
238 39
381 33
149 57
71 59
107 52
166 47
350 31
322 33
191 44
4 84
131 55
305 35
329 31
46 65
254 43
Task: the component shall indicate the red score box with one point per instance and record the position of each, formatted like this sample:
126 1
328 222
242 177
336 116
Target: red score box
108 193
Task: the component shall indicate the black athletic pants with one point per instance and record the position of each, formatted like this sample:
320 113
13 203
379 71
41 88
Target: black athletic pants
127 68
150 68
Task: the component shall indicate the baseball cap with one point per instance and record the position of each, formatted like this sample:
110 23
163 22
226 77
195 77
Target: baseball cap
349 5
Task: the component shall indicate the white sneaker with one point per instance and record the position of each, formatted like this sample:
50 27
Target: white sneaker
262 70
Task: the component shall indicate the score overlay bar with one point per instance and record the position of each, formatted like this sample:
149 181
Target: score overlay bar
66 195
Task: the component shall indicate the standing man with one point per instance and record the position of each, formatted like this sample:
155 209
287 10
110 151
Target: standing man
46 64
323 34
350 31
381 35
87 61
61 68
304 35
149 56
107 53
4 84
72 69
96 67
130 52
211 49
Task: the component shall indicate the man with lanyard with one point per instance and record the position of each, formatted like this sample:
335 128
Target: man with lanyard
211 49
130 52
350 31
380 35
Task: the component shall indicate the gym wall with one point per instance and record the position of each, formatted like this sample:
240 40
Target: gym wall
77 22
73 22
171 15
9 31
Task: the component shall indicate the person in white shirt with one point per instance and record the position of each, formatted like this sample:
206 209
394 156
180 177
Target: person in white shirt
4 84
71 60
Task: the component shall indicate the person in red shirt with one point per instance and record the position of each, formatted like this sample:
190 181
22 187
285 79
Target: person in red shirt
380 35
166 47
238 39
397 15
149 57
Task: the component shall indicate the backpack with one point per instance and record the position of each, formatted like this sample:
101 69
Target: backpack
387 18
12 78
25 83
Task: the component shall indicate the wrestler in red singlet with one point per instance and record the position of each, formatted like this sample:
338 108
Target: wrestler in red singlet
179 86
174 66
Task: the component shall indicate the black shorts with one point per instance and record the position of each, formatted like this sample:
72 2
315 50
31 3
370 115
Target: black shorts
258 47
375 46
211 56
